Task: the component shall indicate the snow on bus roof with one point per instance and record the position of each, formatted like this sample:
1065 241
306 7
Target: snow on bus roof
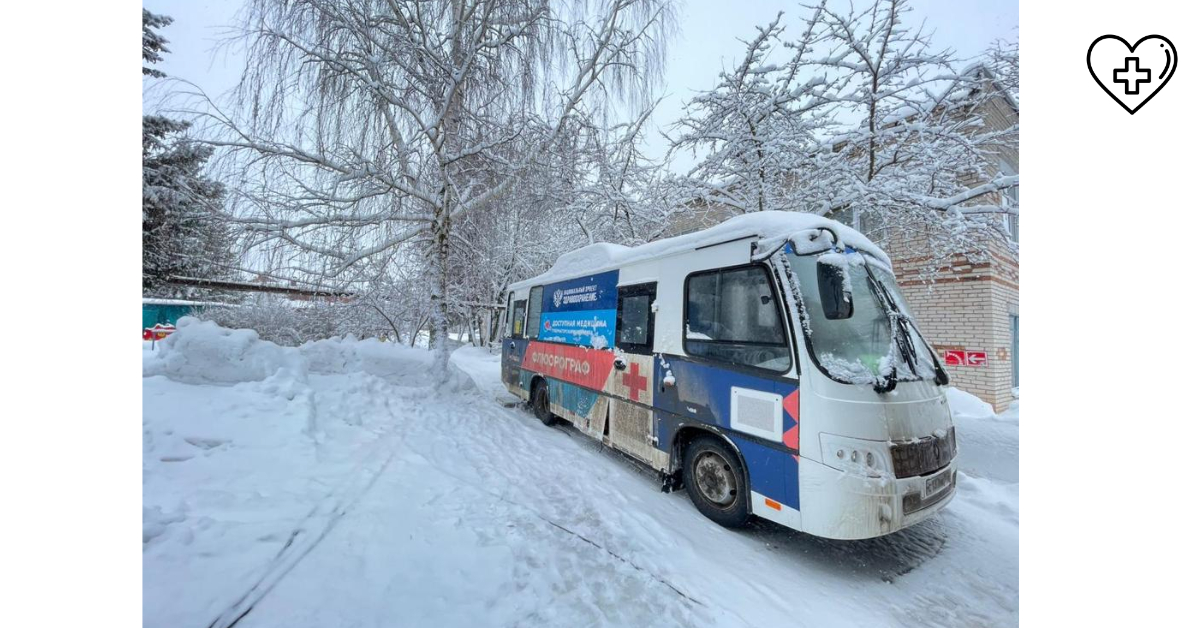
772 227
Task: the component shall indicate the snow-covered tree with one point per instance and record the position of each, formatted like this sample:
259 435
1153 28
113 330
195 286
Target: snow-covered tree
917 156
865 121
757 129
617 193
181 235
1004 58
369 126
153 44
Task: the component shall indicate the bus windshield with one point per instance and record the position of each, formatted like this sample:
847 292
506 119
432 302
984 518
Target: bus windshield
878 341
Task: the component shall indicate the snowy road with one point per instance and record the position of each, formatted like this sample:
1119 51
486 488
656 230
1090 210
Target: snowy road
330 486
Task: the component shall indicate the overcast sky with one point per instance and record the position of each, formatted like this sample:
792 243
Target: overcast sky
707 41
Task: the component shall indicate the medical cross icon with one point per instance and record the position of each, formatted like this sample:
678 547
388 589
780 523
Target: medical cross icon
1132 74
634 381
1132 86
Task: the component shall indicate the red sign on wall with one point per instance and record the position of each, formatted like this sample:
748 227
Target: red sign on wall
960 357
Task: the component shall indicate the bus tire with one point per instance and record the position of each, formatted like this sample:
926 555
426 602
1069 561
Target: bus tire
540 400
714 478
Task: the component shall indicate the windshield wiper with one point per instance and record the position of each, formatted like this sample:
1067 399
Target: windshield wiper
902 335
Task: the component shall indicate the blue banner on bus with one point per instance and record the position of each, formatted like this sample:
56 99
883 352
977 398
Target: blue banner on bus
581 311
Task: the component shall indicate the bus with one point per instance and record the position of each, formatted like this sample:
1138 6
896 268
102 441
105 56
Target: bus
769 366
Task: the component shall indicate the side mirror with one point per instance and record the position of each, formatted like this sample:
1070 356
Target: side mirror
835 298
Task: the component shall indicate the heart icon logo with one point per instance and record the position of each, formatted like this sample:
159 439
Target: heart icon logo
1132 75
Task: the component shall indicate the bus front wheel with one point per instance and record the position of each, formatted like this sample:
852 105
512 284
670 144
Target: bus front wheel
541 403
713 476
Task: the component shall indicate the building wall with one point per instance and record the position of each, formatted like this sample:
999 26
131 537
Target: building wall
967 305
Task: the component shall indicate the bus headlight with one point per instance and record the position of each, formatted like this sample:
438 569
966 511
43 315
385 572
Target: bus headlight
854 455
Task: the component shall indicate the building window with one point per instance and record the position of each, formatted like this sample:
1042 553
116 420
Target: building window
733 316
1016 350
844 215
872 225
1011 198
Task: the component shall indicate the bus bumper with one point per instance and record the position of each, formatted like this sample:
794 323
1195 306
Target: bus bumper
839 505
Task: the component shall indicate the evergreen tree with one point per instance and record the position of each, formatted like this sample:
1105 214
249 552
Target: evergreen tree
181 234
153 44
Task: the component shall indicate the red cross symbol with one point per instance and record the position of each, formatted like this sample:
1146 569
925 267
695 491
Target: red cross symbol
634 381
1132 85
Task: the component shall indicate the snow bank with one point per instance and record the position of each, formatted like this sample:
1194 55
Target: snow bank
964 404
202 352
988 444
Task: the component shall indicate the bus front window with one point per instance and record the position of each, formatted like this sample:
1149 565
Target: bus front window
877 340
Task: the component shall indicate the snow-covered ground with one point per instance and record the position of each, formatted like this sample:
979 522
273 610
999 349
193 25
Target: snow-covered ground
344 483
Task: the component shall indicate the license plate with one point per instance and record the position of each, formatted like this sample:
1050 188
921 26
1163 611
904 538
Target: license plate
937 483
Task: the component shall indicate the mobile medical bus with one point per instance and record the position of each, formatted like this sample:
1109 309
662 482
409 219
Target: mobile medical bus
769 365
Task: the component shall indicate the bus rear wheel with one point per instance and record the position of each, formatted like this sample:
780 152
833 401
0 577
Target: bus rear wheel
713 476
541 403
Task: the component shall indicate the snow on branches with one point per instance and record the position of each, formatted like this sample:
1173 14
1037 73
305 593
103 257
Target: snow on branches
181 232
861 118
373 129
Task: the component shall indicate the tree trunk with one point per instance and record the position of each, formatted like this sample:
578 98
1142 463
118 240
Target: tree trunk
439 339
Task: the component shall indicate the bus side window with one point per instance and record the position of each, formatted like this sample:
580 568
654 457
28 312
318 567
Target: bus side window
518 319
506 325
733 316
635 321
534 326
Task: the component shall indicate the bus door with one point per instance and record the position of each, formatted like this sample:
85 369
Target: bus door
511 353
631 415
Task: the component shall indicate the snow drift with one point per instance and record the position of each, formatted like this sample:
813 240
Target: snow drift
988 443
202 352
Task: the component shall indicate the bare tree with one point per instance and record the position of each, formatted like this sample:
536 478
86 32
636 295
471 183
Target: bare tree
362 127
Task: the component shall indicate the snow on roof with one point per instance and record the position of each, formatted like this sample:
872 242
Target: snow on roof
771 227
956 92
155 301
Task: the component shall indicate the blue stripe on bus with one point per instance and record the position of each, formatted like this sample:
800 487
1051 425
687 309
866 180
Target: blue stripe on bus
773 472
702 393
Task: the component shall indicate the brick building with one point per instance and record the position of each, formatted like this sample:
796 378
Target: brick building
970 308
967 308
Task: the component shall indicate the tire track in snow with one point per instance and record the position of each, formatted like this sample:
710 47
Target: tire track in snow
303 538
624 560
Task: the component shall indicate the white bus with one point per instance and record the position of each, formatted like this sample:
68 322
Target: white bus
768 365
